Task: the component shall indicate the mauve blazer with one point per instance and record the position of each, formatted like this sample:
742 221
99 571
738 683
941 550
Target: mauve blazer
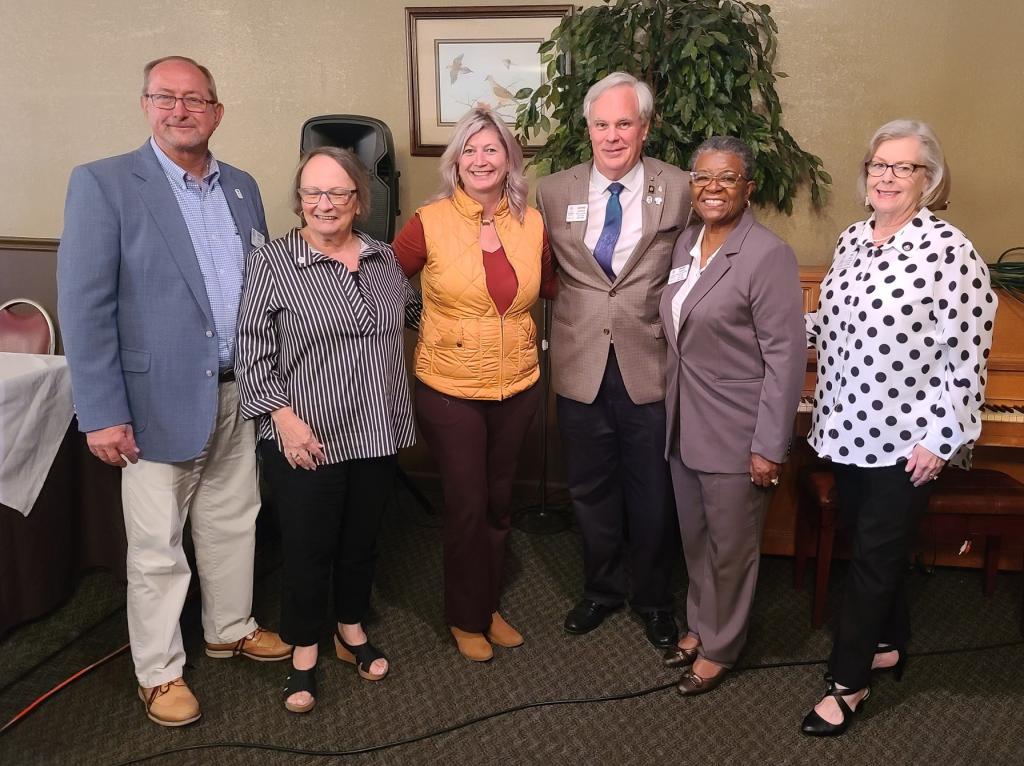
736 366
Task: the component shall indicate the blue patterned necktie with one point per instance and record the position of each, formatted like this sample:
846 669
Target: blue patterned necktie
605 247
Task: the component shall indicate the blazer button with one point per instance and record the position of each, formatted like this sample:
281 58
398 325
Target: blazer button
209 333
209 373
611 293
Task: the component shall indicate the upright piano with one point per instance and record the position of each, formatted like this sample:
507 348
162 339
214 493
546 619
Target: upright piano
1002 433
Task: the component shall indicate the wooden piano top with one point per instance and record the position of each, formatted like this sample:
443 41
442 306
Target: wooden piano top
1003 413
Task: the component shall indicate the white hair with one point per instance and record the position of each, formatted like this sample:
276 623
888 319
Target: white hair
644 96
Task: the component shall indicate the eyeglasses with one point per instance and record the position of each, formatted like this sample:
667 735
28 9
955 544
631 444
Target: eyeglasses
336 196
166 102
899 169
727 180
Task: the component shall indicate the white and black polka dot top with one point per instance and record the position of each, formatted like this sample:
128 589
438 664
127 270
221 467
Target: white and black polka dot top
903 333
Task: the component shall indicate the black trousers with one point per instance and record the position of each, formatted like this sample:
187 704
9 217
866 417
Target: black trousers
621 493
883 509
329 520
476 445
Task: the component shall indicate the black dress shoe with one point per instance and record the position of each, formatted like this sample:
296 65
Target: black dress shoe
691 684
680 658
661 628
816 726
585 616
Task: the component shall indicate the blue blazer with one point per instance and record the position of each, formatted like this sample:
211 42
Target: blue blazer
135 318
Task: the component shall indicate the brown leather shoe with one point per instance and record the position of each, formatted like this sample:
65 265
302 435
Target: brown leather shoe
472 646
170 704
503 634
691 684
261 645
677 657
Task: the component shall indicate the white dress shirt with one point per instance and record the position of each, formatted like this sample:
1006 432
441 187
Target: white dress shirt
692 275
903 332
630 198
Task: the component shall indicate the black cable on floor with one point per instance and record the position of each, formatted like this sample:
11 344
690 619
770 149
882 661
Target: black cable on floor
514 709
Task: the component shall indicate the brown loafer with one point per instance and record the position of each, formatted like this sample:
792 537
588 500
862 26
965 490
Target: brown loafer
170 704
691 684
678 657
503 634
472 646
260 645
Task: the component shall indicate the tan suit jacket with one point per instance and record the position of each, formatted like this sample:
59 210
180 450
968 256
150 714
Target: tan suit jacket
591 311
736 367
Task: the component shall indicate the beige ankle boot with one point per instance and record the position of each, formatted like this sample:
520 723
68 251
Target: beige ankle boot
472 646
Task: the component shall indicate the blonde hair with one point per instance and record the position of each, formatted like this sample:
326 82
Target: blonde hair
471 123
936 195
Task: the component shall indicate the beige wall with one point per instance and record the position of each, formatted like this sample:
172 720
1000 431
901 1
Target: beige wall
69 78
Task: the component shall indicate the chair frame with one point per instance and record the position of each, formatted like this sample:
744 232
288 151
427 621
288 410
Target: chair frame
38 307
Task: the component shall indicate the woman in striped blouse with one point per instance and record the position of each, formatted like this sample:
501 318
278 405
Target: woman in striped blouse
484 261
320 364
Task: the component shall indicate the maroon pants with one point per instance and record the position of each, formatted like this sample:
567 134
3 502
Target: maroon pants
476 445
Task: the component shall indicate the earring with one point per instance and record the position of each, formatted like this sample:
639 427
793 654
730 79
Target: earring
748 201
867 202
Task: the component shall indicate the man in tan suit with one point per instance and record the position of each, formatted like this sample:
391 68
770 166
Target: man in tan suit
612 224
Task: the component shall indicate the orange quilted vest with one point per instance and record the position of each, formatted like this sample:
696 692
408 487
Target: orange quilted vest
465 348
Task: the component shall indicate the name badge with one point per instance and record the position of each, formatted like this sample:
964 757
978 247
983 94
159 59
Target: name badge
257 238
575 213
844 261
679 274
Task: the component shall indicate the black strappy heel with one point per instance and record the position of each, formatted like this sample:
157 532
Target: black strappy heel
901 663
816 726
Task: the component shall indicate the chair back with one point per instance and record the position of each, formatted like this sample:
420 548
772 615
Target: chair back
26 328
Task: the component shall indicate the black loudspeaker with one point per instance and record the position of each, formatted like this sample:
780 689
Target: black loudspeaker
370 140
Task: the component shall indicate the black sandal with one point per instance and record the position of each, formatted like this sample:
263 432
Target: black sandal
901 663
362 656
816 726
300 681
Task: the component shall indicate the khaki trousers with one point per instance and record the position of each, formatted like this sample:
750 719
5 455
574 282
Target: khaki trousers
219 492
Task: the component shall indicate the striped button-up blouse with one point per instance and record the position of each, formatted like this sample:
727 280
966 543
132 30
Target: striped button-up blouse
328 343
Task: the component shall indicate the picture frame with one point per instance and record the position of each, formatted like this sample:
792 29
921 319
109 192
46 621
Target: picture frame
466 56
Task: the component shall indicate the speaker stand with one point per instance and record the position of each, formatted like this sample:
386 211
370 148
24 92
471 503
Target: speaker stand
543 519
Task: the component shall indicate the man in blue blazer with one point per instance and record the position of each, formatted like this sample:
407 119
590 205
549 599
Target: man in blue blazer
149 280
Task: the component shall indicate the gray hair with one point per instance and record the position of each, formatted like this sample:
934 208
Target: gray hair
728 145
148 69
644 96
471 123
349 163
936 195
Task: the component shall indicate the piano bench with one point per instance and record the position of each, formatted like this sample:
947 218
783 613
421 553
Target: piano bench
981 502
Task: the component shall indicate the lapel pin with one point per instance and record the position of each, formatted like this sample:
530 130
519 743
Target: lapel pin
649 199
657 200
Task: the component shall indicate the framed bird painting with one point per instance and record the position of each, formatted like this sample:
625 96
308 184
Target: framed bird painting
472 56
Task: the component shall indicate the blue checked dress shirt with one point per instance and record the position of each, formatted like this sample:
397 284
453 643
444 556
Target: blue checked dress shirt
217 243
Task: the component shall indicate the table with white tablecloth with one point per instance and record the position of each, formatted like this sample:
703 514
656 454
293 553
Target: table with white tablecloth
60 508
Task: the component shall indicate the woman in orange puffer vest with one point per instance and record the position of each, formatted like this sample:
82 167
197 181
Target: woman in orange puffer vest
484 261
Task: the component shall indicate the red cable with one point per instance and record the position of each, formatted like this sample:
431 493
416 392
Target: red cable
70 679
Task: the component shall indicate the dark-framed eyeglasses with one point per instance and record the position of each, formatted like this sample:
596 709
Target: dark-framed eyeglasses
727 180
337 196
877 169
167 102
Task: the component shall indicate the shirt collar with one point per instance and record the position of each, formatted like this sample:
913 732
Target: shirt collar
303 254
632 180
906 239
178 174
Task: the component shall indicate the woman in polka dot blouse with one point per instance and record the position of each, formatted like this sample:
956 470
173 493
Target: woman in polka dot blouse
903 331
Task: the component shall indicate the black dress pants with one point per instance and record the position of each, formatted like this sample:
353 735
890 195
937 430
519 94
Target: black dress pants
883 509
476 444
329 520
622 494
